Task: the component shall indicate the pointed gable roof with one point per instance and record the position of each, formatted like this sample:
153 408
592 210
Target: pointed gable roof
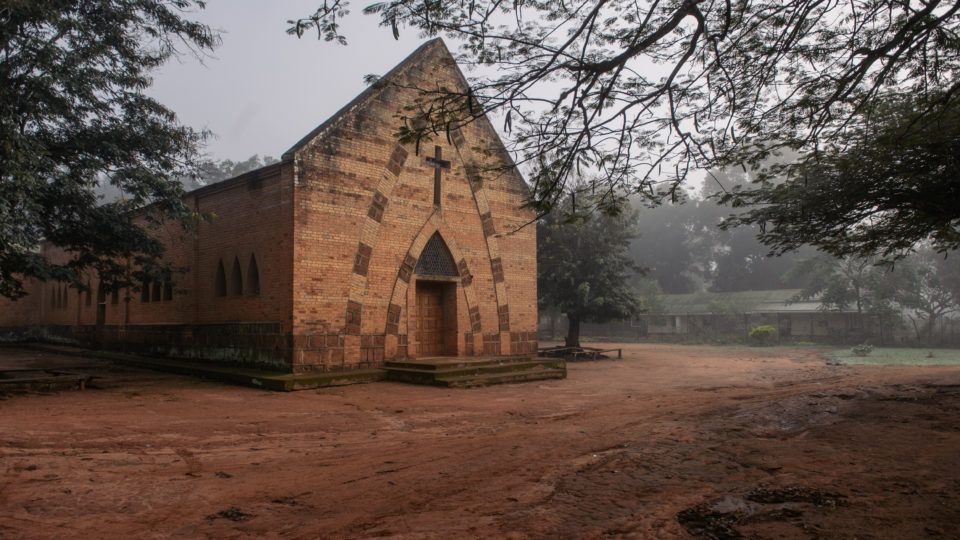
418 56
370 92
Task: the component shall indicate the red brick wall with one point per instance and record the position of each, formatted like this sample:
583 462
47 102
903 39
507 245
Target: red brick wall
249 215
363 211
337 230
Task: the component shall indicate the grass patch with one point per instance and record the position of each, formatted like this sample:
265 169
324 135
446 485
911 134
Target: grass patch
899 357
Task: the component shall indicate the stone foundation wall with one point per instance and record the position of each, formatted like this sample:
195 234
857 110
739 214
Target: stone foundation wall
257 345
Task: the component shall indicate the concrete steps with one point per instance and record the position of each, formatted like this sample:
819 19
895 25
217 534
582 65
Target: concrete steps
460 372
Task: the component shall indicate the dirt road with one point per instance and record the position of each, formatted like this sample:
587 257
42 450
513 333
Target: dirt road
668 442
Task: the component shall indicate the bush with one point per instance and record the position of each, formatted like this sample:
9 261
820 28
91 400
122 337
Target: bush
763 334
862 350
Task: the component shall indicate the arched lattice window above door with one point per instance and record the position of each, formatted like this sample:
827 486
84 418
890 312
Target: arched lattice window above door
435 259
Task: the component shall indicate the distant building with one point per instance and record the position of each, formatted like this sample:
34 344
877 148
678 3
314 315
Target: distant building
729 316
735 313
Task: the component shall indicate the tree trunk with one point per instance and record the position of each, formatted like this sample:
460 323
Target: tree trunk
929 327
573 331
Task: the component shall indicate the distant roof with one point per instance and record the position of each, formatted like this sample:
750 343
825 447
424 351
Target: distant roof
706 303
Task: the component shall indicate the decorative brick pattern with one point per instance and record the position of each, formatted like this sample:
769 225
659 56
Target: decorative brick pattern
465 278
523 342
371 350
318 352
457 137
397 158
352 324
406 268
377 206
503 314
496 266
361 262
393 319
491 344
474 319
473 177
487 221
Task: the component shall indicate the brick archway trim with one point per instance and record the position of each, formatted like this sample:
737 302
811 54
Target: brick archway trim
369 235
398 294
465 153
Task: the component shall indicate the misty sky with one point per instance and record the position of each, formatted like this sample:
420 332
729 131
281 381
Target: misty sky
264 89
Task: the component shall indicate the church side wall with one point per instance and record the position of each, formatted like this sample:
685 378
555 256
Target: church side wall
248 217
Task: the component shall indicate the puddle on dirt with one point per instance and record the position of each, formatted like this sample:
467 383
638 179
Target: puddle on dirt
796 494
233 514
703 522
718 519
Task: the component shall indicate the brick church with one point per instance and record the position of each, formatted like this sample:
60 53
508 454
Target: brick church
353 250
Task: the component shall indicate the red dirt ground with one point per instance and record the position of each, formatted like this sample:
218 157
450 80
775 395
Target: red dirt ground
671 441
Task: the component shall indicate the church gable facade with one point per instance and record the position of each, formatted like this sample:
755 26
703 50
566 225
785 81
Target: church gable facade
354 250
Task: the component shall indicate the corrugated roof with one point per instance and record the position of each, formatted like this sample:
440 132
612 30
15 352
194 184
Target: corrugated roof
707 303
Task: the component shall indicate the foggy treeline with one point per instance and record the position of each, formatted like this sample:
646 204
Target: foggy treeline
684 250
209 171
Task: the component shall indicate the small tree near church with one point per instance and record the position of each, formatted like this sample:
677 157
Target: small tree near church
584 265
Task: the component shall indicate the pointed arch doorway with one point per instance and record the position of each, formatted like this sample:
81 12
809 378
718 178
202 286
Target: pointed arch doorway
436 282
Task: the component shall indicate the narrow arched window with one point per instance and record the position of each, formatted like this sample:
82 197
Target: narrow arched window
220 284
115 296
145 291
88 297
59 301
155 292
253 277
236 278
167 290
66 294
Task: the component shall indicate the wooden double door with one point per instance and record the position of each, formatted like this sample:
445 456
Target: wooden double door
432 315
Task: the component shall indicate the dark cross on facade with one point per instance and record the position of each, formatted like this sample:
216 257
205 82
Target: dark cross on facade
438 164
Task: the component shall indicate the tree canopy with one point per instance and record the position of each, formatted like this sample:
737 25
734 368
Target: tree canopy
644 92
892 182
685 250
584 266
73 114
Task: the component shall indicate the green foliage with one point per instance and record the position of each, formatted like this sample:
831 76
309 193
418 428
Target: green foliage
892 181
732 82
649 293
73 113
584 267
686 251
763 334
923 285
860 284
